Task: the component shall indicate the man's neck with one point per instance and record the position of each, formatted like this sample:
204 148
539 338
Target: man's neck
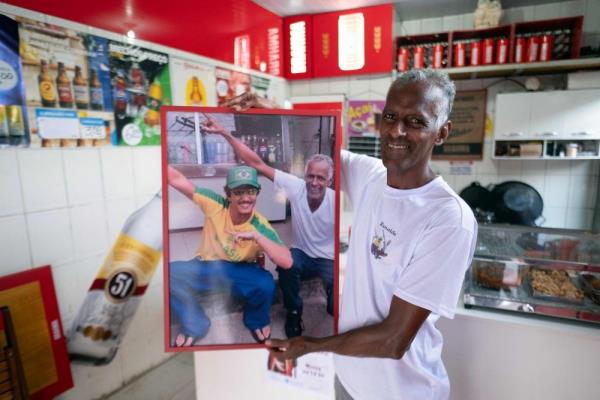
237 218
314 204
411 179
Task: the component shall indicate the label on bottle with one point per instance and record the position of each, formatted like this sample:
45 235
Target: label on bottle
64 94
127 269
81 94
97 97
47 91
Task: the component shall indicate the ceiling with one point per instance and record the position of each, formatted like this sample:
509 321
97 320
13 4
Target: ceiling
406 9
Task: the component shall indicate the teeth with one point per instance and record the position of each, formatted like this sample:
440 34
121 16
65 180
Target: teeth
397 146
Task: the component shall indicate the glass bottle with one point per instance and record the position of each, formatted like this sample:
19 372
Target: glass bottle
195 95
80 88
46 86
65 94
116 292
96 94
3 122
137 87
16 126
120 95
154 101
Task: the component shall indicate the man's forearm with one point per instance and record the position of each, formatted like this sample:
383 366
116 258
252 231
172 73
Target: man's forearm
278 253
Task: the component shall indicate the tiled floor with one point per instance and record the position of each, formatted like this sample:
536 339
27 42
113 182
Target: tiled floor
172 380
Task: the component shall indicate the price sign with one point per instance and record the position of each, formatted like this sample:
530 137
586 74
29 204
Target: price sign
92 128
57 124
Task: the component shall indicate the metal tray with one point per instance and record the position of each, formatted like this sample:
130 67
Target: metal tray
550 298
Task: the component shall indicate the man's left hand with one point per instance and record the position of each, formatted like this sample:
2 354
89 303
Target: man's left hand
289 349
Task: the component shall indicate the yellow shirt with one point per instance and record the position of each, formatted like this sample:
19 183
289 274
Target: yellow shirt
216 243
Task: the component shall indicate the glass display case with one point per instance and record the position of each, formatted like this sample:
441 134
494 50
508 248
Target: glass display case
552 272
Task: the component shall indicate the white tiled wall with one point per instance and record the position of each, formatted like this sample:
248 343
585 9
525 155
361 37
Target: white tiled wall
64 207
567 187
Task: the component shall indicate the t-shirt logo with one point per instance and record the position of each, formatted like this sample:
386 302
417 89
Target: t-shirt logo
379 243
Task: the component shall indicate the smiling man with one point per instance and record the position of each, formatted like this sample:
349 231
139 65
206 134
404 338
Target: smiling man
412 240
233 236
313 204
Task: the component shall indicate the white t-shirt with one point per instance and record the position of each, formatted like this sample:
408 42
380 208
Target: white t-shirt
313 231
415 244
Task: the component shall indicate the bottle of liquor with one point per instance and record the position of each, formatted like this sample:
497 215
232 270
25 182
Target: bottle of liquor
65 94
116 291
96 94
137 88
272 157
195 94
3 124
80 88
263 149
154 101
46 86
120 95
16 127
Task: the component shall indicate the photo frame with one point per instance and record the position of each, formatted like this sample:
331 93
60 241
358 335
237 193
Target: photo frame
244 253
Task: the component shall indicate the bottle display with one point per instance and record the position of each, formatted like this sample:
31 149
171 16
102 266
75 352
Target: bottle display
154 102
46 86
120 95
65 94
263 150
96 93
137 88
16 126
115 293
3 122
80 89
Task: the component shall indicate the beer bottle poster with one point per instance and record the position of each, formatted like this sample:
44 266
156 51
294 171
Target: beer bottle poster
62 84
13 120
193 83
141 85
230 83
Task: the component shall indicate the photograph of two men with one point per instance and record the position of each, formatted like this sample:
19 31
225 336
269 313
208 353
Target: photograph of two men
250 226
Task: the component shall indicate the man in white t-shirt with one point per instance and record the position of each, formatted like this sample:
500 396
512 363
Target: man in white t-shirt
313 207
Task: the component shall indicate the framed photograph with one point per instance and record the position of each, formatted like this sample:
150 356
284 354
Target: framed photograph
250 222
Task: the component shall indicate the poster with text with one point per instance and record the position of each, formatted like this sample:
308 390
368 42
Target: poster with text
193 83
67 86
13 120
363 117
272 89
141 85
313 372
230 83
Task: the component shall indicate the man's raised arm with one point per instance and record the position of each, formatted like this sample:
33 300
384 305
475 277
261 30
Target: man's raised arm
180 182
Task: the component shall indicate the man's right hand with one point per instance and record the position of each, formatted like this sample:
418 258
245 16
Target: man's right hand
212 126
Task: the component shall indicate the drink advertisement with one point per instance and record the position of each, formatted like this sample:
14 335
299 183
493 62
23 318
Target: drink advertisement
193 83
141 85
312 372
272 89
13 120
363 117
230 83
66 84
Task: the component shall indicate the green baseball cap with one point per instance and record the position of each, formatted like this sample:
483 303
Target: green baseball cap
242 175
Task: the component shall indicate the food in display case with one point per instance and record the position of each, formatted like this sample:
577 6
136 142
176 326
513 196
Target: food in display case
534 270
497 275
554 285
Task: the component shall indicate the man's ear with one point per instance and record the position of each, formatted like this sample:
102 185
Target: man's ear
443 133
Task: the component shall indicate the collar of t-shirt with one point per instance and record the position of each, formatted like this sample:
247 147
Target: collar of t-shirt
393 192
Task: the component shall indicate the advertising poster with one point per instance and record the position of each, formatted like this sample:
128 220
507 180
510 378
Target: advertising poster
231 281
66 85
363 117
230 83
193 83
313 372
465 141
271 89
13 114
141 85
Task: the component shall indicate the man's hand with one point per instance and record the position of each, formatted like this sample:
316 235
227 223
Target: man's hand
212 126
249 100
239 237
290 349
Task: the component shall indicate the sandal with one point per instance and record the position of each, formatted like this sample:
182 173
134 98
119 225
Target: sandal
265 337
183 340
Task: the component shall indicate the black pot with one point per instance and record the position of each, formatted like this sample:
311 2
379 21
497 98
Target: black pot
476 196
516 203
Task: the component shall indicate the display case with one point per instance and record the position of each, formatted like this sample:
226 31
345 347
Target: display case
552 272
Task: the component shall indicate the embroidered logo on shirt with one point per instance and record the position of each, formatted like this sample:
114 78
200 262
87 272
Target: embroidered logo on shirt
379 244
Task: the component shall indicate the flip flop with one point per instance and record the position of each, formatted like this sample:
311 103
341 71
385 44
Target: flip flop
183 340
257 339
